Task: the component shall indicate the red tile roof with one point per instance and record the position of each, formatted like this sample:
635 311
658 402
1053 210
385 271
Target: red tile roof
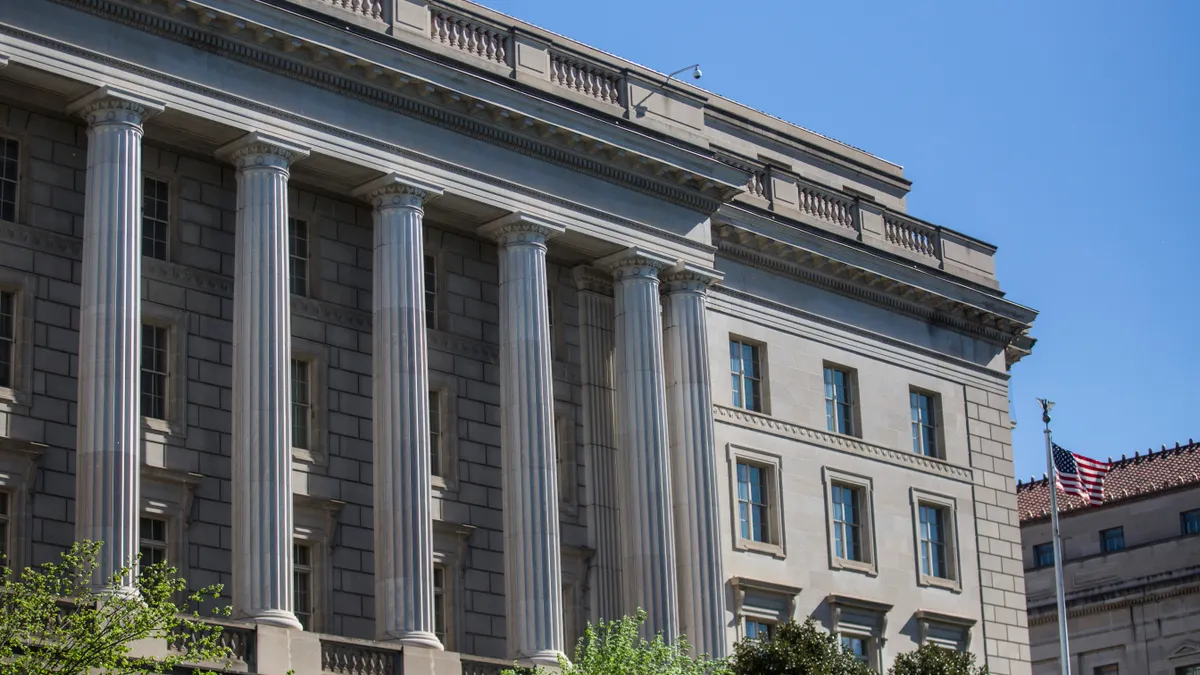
1129 478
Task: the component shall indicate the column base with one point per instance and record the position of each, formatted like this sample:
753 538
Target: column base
274 617
546 657
415 638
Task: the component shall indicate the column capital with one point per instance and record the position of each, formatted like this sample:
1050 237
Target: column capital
685 276
109 105
520 227
588 278
635 261
395 190
257 149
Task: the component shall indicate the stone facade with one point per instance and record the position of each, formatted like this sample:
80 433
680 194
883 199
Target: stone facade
1133 596
477 285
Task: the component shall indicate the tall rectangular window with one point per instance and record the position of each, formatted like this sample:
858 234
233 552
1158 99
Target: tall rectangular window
10 151
758 630
1188 670
431 308
924 424
152 541
298 256
439 602
858 647
301 403
8 330
154 371
1043 555
1111 669
155 217
302 580
934 561
839 401
1189 522
1112 540
752 502
847 525
435 433
746 373
5 516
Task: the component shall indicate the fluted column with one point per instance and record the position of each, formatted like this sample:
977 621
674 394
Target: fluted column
262 411
532 556
599 438
400 376
648 568
108 445
694 460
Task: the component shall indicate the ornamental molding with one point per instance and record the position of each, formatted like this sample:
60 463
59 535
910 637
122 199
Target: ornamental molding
843 278
830 441
1124 598
591 279
259 150
396 190
181 275
520 228
40 240
108 105
219 32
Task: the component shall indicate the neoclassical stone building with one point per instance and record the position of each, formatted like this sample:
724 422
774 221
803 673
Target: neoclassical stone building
434 335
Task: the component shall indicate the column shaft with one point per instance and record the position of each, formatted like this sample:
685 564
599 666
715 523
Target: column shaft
649 542
533 556
262 411
108 429
599 438
400 376
694 462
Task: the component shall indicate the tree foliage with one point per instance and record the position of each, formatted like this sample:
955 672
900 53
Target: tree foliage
930 659
615 648
54 622
796 649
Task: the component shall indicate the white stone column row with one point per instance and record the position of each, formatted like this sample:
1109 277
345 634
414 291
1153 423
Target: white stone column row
694 460
262 410
596 316
400 377
648 551
108 445
533 555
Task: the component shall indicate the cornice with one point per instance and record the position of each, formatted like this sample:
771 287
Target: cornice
814 268
829 441
1096 603
216 31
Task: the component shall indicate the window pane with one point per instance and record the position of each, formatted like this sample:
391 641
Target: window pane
10 151
737 390
298 256
1190 522
301 403
431 307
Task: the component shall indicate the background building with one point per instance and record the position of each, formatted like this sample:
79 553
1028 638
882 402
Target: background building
393 363
1131 572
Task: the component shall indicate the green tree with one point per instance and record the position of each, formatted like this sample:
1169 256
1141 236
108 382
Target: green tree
615 648
933 660
54 622
796 649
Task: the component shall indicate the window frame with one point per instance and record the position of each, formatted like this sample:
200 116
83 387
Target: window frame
759 354
776 544
949 505
315 522
174 427
931 431
866 620
1039 548
1104 542
308 220
20 182
445 387
850 387
19 462
431 265
769 626
832 478
928 622
18 395
762 601
167 494
145 542
566 442
317 357
171 221
1184 516
155 330
450 552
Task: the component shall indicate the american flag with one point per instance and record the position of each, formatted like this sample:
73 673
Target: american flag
1079 475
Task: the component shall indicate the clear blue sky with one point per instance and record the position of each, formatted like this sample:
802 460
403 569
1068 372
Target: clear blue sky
1064 132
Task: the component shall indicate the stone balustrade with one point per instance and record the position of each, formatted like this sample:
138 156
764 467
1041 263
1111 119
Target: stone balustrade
238 637
912 236
480 665
358 657
826 205
371 9
586 78
469 35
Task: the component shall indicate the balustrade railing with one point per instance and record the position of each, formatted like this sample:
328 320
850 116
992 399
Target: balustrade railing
470 36
585 78
371 9
481 665
239 638
358 657
826 206
911 235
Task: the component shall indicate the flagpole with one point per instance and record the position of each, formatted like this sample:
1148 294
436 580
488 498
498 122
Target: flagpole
1064 652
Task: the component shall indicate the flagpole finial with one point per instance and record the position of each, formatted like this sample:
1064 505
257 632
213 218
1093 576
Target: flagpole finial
1047 406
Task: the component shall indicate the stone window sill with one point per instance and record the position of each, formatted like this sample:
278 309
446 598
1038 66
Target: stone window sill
751 546
855 566
163 427
938 582
306 456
